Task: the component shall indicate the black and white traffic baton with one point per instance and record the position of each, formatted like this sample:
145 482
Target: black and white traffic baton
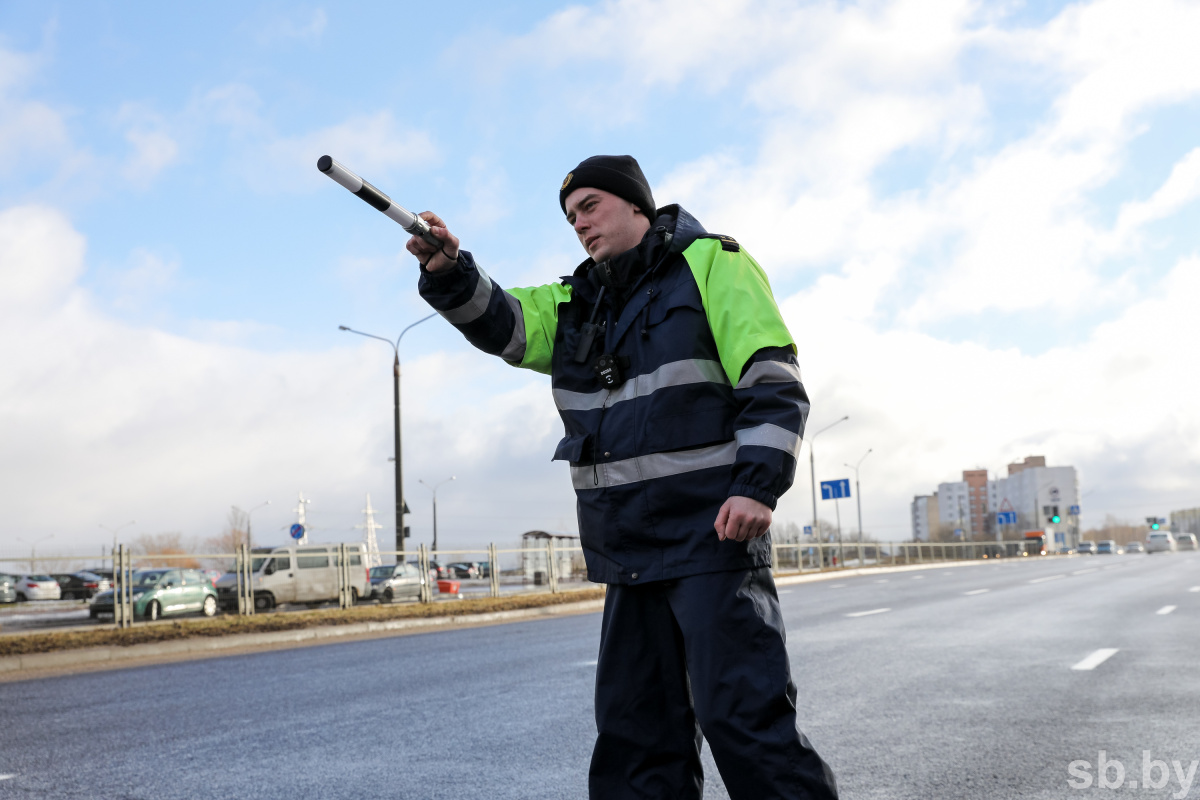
373 197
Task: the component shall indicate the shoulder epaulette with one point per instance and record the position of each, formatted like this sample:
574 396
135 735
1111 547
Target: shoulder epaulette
728 243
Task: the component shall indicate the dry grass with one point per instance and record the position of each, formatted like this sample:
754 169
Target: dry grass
140 633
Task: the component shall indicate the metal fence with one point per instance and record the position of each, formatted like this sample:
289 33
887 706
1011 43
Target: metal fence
489 572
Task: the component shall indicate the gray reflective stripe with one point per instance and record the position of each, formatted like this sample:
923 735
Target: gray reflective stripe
768 435
677 373
655 465
515 351
472 309
769 372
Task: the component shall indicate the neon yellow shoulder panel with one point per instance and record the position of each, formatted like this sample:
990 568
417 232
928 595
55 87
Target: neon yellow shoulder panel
539 307
739 304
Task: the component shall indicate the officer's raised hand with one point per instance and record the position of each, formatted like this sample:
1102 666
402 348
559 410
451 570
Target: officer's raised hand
433 258
742 519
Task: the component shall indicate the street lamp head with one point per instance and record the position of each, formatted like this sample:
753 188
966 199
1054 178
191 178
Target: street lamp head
342 328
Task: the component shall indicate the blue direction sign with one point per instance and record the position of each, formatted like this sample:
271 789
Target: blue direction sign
297 531
808 530
1006 518
1074 512
834 490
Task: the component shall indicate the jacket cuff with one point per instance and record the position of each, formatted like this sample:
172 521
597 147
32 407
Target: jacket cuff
446 278
754 493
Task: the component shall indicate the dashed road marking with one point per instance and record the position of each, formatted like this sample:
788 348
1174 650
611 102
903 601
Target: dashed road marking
869 613
837 586
882 580
977 591
785 591
1194 589
7 777
587 663
1048 578
918 577
1085 571
1096 659
1165 610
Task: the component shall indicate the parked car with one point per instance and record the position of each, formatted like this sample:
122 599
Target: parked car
37 587
1108 547
8 588
438 570
464 569
1185 541
1086 549
213 575
297 574
1134 547
81 585
1160 542
396 582
163 592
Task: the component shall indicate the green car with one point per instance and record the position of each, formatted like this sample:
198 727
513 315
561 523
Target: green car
164 592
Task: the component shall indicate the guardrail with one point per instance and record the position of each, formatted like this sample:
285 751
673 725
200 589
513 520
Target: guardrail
543 568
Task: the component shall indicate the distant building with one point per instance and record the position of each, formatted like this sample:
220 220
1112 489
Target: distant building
1032 490
1186 521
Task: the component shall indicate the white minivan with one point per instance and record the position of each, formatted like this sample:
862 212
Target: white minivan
300 573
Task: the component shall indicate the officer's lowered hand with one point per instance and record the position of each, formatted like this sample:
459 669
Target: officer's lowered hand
742 519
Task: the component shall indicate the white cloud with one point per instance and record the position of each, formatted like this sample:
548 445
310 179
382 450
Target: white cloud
298 25
31 132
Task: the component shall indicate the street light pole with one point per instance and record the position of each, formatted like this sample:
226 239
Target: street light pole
33 549
113 531
401 508
249 540
434 489
812 471
858 494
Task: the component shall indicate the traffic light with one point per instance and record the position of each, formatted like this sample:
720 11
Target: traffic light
1054 515
1152 522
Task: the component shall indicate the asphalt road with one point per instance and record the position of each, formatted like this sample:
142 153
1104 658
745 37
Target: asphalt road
939 683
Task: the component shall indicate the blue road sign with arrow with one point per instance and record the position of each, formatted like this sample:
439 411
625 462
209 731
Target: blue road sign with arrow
835 490
1006 518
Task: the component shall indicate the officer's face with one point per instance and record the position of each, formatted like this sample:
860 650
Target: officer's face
605 224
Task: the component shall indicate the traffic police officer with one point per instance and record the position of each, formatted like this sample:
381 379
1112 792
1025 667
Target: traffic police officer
677 383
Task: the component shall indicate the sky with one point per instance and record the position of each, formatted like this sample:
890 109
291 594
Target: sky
979 220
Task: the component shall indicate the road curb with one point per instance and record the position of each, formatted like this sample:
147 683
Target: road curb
109 656
787 580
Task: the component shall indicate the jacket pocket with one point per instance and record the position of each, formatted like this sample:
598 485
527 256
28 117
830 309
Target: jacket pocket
575 448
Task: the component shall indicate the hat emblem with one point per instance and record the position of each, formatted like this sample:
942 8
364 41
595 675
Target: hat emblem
566 180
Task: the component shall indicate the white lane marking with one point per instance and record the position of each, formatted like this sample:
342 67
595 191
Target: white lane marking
869 613
977 591
587 663
918 577
882 580
1049 578
7 777
785 591
1194 589
1096 659
1165 610
837 586
1084 571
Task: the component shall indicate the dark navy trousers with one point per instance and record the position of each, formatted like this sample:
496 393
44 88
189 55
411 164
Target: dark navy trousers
694 657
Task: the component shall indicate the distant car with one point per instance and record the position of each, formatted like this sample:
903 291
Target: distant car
213 575
438 570
1185 541
1134 547
1086 549
81 585
1160 542
1062 551
8 588
1106 548
37 587
396 582
164 592
464 569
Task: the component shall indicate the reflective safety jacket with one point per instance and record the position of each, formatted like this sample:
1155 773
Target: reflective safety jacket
711 404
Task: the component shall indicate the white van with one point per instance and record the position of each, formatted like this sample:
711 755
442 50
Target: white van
298 574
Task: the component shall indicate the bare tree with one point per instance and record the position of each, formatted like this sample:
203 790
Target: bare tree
234 534
1119 530
164 550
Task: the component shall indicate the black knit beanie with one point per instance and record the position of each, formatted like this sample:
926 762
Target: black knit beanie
620 175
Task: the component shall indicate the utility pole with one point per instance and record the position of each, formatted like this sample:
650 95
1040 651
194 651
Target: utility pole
858 494
812 472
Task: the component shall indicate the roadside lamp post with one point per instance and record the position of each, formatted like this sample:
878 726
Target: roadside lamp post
812 471
249 540
858 494
33 549
434 489
112 553
401 508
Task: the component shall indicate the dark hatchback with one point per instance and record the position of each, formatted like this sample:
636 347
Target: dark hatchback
81 585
